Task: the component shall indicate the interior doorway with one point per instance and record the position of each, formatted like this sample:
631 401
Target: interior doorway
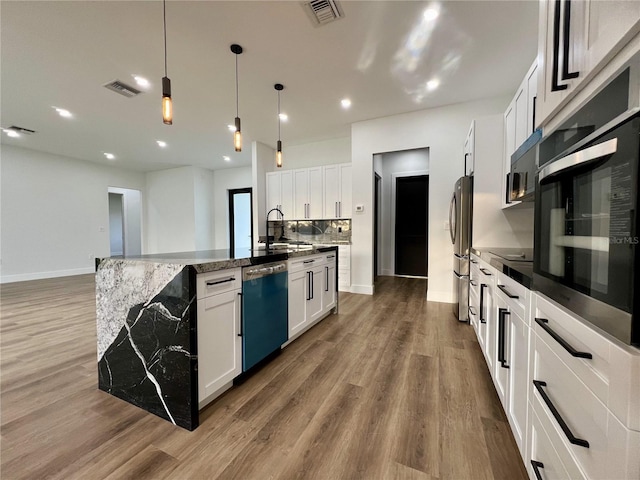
125 221
376 224
411 225
240 221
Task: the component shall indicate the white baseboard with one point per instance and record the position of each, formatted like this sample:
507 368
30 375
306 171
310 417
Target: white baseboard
362 289
443 297
23 277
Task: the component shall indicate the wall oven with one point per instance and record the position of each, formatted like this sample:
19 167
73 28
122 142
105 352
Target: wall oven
586 253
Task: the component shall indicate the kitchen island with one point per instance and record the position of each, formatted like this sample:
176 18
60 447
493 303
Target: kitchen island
147 324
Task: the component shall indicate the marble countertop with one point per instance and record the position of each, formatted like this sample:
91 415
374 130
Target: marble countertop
211 260
520 271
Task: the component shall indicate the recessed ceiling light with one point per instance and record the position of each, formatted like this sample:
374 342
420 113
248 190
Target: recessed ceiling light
161 143
11 133
433 84
141 81
226 158
232 128
284 117
110 156
430 14
345 102
63 112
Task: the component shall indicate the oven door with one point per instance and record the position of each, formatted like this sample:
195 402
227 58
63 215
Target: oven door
585 231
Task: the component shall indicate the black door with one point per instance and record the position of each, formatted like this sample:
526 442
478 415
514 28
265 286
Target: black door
412 212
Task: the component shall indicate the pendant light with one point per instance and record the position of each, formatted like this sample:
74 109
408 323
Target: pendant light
167 104
237 135
279 87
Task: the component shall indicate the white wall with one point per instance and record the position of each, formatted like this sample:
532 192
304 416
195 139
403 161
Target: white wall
389 166
443 131
223 181
262 161
326 152
55 213
204 205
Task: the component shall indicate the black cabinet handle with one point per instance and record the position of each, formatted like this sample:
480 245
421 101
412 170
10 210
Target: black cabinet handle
566 74
240 333
502 313
218 282
544 323
504 290
311 278
472 311
309 285
308 261
555 86
485 271
473 284
474 261
536 469
482 287
507 197
565 428
326 288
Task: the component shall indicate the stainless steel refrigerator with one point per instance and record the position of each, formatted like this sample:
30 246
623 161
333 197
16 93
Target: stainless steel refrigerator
460 215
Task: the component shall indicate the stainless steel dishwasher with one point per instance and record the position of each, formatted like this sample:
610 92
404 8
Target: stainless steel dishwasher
264 311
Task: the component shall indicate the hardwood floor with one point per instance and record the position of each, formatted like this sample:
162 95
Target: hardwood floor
391 388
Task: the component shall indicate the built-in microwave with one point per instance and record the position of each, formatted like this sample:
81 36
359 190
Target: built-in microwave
586 253
524 163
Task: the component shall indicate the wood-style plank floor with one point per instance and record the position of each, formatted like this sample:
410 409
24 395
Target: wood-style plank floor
392 387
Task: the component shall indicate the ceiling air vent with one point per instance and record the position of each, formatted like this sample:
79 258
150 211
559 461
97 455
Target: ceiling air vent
323 11
122 88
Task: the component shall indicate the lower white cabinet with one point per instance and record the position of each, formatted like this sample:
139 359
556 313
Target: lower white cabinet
518 361
298 282
219 346
329 293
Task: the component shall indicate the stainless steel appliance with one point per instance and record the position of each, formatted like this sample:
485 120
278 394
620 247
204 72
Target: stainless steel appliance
524 163
460 215
586 224
264 311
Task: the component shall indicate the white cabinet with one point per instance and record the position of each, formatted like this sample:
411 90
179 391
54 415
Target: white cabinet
597 30
308 194
280 193
344 268
469 151
519 119
518 385
218 325
298 285
337 190
329 292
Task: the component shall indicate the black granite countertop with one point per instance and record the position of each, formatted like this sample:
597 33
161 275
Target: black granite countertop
211 260
520 271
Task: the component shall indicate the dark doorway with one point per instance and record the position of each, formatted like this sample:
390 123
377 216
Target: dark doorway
412 212
240 221
376 224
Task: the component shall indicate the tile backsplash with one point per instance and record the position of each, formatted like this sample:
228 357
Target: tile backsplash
312 231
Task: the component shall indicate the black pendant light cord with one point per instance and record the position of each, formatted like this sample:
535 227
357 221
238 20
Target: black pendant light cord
278 114
237 109
164 15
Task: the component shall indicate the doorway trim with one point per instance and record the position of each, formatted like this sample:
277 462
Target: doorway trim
232 192
394 177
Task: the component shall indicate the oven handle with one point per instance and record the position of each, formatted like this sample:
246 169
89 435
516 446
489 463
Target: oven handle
580 158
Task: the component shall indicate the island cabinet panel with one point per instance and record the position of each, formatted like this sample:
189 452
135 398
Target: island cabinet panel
146 317
219 340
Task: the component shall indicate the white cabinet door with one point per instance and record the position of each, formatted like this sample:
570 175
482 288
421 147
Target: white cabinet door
509 147
329 286
532 93
518 362
297 301
301 193
315 194
521 115
331 174
273 190
346 203
286 194
219 346
315 284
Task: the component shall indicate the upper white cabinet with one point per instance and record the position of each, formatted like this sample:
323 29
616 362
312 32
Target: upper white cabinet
337 190
519 121
575 41
469 151
308 194
314 193
280 193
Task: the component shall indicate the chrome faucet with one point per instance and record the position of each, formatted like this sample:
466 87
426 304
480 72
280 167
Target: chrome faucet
267 221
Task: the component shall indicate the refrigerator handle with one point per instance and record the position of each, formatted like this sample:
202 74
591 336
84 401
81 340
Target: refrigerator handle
453 224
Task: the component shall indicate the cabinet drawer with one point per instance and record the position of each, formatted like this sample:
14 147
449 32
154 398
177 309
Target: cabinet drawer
613 371
585 417
515 295
548 450
221 281
305 263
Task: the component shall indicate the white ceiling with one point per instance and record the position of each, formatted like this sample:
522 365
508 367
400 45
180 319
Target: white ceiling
381 54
